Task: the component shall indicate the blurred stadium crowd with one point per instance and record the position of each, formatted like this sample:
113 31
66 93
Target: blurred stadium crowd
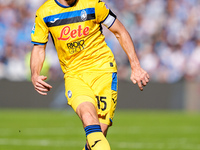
166 34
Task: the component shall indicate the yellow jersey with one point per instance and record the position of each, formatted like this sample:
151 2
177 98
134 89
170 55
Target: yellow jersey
77 34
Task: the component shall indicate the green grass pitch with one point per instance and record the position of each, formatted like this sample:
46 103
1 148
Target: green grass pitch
132 130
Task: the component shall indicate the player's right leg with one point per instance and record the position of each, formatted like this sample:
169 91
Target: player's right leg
104 128
83 100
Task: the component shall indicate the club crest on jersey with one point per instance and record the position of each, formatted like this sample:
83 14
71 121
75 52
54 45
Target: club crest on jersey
69 93
83 15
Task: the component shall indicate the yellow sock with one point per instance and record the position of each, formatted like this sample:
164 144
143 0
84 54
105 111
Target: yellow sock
96 139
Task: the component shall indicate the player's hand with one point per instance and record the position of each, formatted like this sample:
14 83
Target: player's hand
39 84
140 77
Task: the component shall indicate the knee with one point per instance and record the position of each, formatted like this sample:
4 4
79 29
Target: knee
89 118
87 113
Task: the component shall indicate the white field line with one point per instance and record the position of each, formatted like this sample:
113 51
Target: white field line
41 131
157 146
159 130
34 142
112 131
123 145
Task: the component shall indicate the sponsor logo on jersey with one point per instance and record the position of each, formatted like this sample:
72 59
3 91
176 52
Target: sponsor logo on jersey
67 32
75 47
33 29
83 15
69 93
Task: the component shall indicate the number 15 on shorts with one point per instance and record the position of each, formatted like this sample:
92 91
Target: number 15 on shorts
101 102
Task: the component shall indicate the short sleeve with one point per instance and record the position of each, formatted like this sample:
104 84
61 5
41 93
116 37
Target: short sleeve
40 31
104 15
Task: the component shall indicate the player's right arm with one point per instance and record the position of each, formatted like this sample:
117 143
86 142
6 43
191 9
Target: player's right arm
37 60
39 37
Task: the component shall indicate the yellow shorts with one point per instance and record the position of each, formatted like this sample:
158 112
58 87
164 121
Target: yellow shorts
99 88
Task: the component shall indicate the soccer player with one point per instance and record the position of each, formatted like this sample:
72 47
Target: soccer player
89 67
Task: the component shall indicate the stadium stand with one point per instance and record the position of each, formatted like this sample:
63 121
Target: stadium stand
166 35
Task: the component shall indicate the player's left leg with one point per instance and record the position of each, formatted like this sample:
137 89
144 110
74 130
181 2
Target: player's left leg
104 129
88 115
106 95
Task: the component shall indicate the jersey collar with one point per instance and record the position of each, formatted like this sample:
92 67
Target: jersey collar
61 5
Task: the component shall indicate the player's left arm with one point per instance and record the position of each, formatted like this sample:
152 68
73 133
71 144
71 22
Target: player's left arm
138 75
